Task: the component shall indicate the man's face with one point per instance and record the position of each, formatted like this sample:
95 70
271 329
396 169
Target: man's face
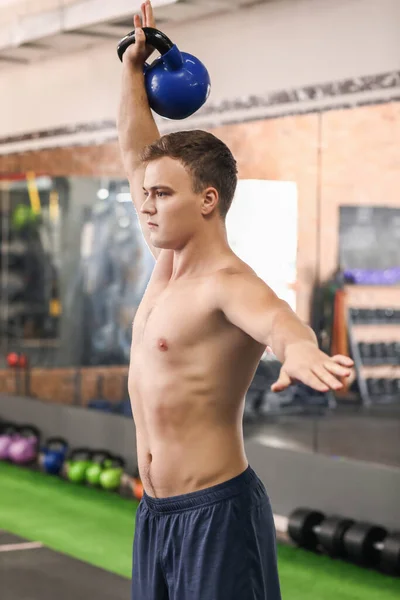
170 204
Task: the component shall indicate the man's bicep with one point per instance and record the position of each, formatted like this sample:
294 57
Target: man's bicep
248 303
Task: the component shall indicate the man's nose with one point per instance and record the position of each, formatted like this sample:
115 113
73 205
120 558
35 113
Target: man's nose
148 207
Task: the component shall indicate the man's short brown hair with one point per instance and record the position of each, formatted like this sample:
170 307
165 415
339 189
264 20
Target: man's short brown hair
208 160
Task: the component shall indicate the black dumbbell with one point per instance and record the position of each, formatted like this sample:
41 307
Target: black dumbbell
373 353
396 352
373 386
382 386
371 316
390 554
365 351
386 353
389 315
362 315
362 543
387 386
310 529
380 315
396 316
393 386
396 387
391 353
362 349
382 352
355 315
371 546
378 352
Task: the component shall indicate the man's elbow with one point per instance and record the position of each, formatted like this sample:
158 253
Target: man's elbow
282 312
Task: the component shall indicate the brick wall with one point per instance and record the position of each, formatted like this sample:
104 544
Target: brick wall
339 157
77 160
58 385
360 165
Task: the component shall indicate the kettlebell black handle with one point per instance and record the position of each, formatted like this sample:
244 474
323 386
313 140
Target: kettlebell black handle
100 456
117 462
8 428
56 441
28 431
84 452
154 38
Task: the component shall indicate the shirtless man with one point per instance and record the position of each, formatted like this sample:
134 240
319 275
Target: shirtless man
204 528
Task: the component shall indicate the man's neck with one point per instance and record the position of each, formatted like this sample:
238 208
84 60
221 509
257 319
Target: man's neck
200 255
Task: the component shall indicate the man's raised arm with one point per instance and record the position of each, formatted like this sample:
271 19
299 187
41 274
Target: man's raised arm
136 125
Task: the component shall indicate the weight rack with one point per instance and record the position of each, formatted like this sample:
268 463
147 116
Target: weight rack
389 389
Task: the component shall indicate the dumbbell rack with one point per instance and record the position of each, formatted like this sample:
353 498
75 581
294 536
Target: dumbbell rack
381 323
365 544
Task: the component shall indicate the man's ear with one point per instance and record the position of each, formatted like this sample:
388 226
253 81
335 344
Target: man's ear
210 201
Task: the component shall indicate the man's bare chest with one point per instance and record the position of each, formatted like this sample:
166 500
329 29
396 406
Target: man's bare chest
172 317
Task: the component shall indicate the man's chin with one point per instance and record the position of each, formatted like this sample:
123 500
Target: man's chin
162 245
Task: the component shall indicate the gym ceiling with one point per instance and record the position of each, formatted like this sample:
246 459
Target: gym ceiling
32 30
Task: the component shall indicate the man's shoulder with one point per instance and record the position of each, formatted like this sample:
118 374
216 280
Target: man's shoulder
229 279
236 269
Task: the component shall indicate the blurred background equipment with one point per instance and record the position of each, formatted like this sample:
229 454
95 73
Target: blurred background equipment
100 460
23 448
77 465
8 433
53 455
362 543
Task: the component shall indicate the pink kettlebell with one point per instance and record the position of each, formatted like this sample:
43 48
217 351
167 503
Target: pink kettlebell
8 434
24 450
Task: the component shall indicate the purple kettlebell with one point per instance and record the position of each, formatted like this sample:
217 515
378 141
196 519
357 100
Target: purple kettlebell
8 434
24 450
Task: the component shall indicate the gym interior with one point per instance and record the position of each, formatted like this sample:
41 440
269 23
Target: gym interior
306 94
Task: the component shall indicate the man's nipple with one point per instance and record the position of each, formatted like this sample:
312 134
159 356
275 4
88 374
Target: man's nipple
162 344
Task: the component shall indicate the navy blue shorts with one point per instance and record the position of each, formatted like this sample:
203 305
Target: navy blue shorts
215 544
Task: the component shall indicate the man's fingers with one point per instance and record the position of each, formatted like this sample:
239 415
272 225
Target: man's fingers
144 14
140 38
282 382
137 21
327 378
150 21
336 369
345 361
314 382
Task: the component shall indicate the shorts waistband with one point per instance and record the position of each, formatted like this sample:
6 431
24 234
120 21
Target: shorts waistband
221 491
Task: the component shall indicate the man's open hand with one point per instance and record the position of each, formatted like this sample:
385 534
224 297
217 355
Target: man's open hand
139 52
306 363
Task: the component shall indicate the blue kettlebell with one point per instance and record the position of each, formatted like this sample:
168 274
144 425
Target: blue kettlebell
54 453
177 83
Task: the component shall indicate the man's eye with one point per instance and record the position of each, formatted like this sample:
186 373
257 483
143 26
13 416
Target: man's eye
161 194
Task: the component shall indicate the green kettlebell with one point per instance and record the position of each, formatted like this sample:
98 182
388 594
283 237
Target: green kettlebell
77 464
99 461
110 478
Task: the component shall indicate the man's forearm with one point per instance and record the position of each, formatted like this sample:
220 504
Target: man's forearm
136 125
286 331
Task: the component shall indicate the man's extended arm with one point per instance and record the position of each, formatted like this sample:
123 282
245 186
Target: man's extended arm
251 305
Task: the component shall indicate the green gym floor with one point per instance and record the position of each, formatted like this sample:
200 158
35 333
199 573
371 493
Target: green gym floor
96 527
